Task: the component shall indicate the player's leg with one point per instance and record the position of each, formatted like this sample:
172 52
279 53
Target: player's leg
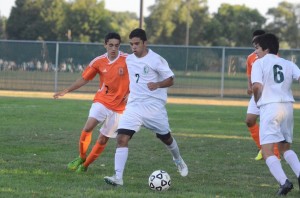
121 155
84 142
86 137
108 130
270 134
289 155
253 127
172 146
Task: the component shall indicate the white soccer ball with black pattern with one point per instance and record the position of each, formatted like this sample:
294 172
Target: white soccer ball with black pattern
159 180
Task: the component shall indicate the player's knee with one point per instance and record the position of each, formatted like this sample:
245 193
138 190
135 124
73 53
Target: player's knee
123 137
166 138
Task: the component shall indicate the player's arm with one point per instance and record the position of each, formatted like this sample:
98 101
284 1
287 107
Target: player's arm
76 85
162 84
257 90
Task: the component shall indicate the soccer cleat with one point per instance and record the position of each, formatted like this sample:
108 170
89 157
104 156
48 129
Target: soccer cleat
73 165
113 180
81 169
285 188
299 181
182 167
259 156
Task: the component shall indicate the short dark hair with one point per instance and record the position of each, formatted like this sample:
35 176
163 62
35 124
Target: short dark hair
112 35
139 33
268 41
258 32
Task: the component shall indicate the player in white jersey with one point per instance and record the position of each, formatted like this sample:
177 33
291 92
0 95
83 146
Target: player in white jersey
272 79
149 76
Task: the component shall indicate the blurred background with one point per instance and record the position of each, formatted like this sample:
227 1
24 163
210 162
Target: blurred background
46 44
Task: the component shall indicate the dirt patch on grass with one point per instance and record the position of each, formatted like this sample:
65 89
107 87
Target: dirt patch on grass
172 100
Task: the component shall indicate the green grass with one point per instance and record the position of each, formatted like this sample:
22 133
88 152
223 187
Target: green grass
40 136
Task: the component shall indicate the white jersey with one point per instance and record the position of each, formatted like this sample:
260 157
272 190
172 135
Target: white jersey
150 68
277 74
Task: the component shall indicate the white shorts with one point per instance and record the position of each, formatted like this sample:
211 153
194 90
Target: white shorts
276 123
109 118
252 107
151 114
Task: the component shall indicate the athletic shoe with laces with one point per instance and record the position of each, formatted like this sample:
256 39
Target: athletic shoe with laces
73 165
285 188
113 180
182 167
81 169
259 156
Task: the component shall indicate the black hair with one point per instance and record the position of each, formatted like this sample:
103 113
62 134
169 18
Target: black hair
258 32
139 33
112 35
268 41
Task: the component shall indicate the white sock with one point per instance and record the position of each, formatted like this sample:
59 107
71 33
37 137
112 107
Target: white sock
292 159
173 148
120 161
276 169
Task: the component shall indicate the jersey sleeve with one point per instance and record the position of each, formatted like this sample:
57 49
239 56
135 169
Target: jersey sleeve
164 69
256 74
89 73
296 72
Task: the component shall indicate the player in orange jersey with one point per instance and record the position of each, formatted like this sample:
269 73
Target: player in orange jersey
109 101
253 110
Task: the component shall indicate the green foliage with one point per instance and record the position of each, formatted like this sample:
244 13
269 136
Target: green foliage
40 136
171 22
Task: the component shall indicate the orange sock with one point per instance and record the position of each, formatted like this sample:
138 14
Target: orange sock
254 131
276 151
96 151
84 142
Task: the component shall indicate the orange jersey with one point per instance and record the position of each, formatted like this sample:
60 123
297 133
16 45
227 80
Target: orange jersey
113 81
250 60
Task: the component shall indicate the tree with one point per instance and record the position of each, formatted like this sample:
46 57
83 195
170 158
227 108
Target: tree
171 20
87 20
124 23
3 21
233 25
285 23
35 19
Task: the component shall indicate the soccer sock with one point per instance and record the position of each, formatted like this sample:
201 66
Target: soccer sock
120 161
292 159
84 142
173 148
276 169
254 131
96 151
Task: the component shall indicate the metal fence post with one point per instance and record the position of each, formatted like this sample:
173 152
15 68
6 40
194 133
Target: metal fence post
222 73
56 67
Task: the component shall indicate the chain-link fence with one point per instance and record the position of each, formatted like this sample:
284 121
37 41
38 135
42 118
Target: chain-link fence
218 72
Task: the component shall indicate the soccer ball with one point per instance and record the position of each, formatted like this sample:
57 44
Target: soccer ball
159 180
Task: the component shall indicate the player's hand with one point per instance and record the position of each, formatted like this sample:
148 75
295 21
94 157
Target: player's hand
61 93
152 86
249 92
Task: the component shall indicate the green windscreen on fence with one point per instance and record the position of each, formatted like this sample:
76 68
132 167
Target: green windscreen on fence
218 72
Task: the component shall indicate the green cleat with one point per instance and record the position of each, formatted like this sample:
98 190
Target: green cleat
81 169
73 165
259 156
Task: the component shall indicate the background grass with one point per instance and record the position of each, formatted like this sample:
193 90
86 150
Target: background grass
40 136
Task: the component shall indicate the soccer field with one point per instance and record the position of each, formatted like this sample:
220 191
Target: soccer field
40 136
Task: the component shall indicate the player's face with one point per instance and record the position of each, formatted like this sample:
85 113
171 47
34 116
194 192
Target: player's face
138 47
259 51
112 47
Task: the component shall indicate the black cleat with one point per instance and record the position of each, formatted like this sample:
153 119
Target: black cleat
285 188
299 181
